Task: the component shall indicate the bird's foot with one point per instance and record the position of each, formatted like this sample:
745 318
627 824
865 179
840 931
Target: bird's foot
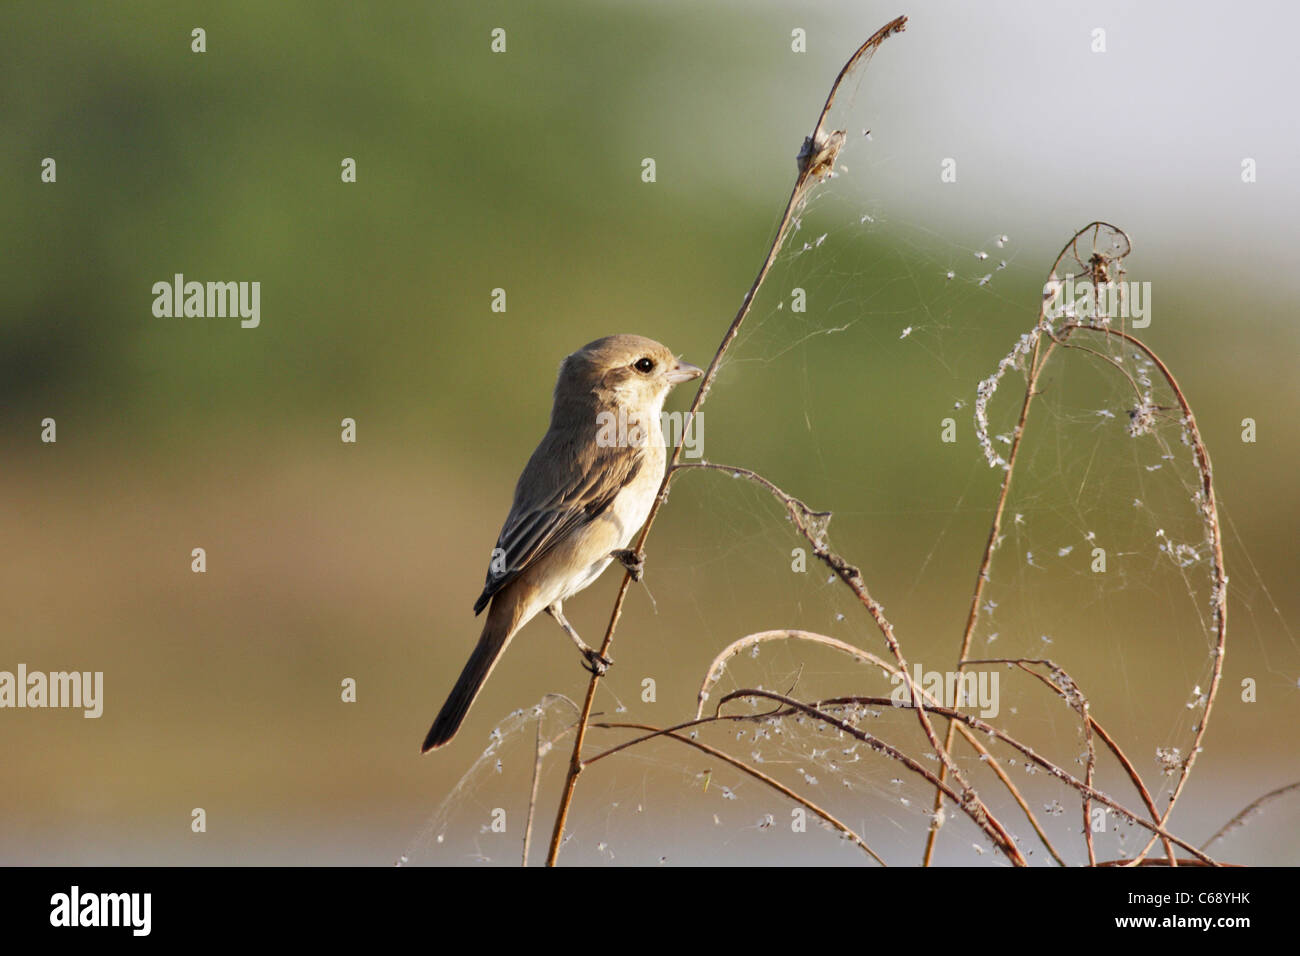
633 561
596 662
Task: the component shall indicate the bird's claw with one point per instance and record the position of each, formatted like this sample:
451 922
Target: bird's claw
633 561
596 662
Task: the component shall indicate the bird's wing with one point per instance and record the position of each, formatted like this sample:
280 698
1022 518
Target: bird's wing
564 487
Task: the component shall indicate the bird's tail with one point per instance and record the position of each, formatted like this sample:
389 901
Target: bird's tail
500 627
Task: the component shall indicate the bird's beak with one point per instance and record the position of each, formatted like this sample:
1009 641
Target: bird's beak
683 372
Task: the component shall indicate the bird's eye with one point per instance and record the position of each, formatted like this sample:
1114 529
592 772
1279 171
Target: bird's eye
644 365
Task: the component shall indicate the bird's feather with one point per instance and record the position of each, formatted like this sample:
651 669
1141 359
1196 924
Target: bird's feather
582 479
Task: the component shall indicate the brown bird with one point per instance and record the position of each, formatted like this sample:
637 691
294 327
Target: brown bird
582 496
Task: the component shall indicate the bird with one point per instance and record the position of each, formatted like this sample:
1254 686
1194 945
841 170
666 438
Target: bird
584 493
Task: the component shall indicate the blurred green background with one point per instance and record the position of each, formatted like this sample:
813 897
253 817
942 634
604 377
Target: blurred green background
521 171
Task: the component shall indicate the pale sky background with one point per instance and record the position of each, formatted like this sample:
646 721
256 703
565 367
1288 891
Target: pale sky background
1149 134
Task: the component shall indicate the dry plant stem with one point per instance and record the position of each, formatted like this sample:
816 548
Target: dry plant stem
995 765
775 784
1094 727
808 172
967 726
1181 861
750 640
969 802
1079 704
981 578
1210 510
799 514
1081 707
778 786
813 710
1250 808
540 756
1038 362
532 795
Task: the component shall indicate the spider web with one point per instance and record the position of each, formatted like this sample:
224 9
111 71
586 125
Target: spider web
869 335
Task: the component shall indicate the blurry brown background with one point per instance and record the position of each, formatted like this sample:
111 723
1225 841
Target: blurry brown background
522 171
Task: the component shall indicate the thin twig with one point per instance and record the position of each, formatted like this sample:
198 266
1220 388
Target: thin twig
1250 808
981 578
1099 265
1093 726
969 804
1219 591
777 785
977 724
811 169
812 525
714 673
532 795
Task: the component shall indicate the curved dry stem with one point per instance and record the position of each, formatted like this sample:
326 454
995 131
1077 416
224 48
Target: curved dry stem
811 169
1210 515
1073 696
1093 726
983 727
995 765
969 802
984 392
812 525
981 578
673 734
1246 811
714 673
1099 265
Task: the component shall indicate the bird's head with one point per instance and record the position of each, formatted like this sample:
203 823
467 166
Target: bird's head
629 372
